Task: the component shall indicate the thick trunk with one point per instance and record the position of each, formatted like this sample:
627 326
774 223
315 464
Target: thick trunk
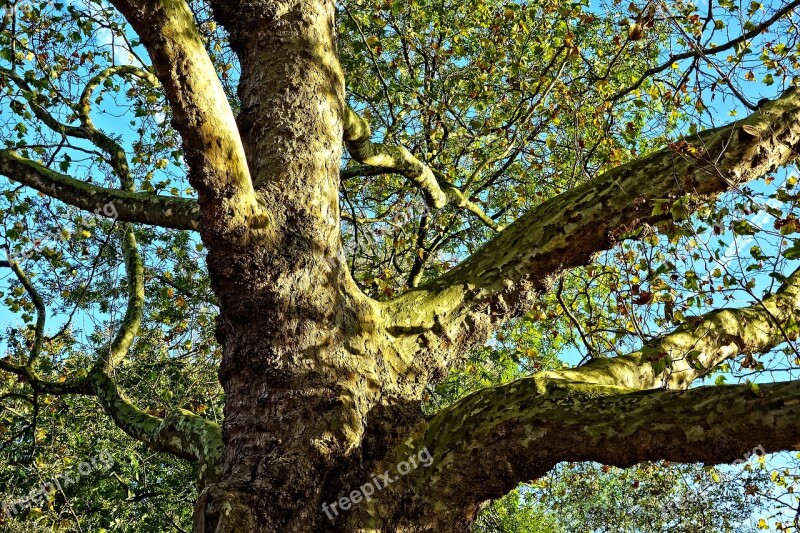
298 368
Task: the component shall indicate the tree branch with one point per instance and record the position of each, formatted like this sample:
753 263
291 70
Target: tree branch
164 211
357 136
502 278
486 444
381 158
30 376
598 412
697 52
213 149
87 130
117 156
38 302
696 347
181 432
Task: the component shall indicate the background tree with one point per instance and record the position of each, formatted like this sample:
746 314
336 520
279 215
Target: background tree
543 233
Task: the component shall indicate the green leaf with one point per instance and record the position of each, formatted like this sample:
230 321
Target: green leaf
793 252
743 227
755 388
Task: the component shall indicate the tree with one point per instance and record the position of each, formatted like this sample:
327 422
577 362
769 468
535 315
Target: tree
566 157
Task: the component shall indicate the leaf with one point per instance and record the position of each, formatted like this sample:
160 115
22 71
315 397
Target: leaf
793 252
777 276
644 298
660 207
693 359
758 254
680 209
743 227
755 388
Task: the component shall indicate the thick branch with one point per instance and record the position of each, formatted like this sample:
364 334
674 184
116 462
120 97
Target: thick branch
357 136
490 441
201 113
181 432
598 411
699 345
165 211
501 279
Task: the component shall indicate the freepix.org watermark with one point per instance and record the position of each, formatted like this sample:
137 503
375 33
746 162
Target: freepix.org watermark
379 482
46 491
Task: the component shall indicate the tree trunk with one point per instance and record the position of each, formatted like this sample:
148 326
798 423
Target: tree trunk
292 322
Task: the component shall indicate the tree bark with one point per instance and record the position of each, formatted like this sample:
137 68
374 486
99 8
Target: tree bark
292 324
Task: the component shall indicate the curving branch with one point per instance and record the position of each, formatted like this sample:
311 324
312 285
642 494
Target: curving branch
201 113
675 360
40 112
181 432
599 412
41 312
157 210
357 136
382 158
502 278
134 310
150 209
118 160
30 376
87 130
